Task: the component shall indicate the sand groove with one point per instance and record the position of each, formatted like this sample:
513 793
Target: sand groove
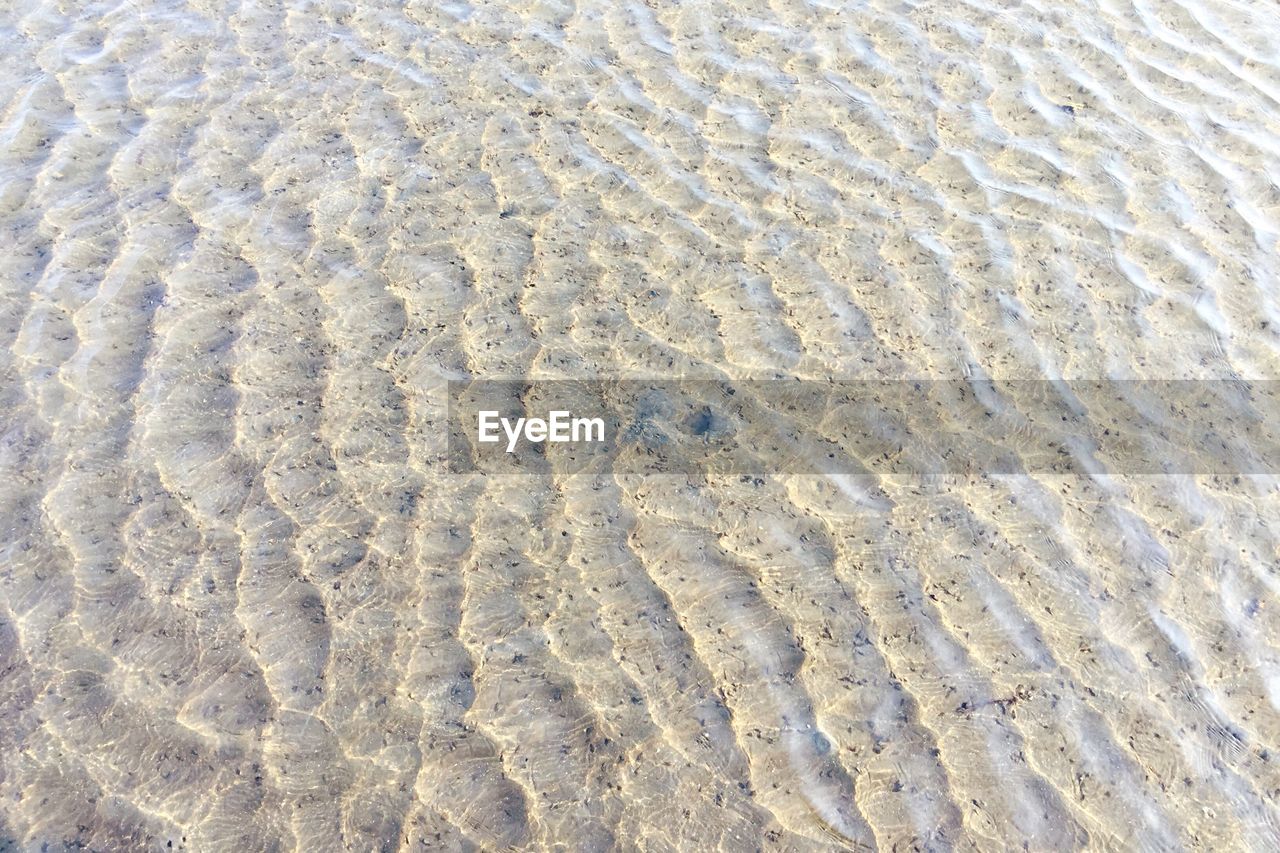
244 604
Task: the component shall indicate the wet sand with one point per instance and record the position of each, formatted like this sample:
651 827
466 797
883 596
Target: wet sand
245 605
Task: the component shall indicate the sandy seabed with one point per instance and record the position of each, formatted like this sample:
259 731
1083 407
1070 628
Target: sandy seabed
244 604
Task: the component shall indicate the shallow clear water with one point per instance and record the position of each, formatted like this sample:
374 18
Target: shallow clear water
245 604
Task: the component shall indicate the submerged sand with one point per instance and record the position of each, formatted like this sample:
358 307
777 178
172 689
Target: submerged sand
245 605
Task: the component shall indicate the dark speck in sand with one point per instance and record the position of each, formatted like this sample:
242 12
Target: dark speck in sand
1067 108
702 421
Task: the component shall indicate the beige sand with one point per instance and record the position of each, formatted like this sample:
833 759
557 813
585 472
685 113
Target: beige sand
244 606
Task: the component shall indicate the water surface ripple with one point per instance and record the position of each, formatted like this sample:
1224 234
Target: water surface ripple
246 605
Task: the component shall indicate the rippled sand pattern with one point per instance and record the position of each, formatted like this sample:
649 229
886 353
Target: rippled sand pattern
244 606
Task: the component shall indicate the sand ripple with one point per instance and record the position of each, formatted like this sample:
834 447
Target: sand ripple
244 605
